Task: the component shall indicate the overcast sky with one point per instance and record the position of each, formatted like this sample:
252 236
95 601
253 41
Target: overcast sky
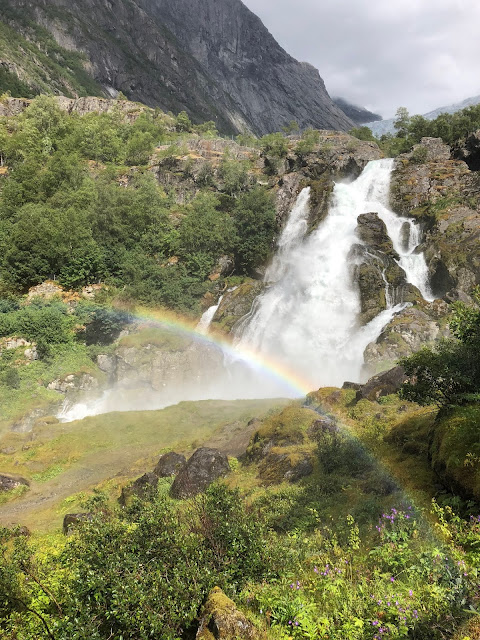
382 54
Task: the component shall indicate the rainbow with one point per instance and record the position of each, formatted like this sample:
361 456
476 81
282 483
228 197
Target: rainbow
265 365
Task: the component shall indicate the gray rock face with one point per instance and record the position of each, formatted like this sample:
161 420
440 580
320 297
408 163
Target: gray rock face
204 467
382 385
9 483
409 331
359 115
376 269
169 464
214 58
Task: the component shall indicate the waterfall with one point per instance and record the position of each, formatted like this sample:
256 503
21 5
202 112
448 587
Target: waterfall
306 321
411 260
207 317
308 316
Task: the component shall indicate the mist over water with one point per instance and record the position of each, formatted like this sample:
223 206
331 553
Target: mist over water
306 321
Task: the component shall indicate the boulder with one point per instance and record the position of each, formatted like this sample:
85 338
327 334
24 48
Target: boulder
9 482
221 620
141 487
73 520
382 384
204 467
351 385
279 466
169 464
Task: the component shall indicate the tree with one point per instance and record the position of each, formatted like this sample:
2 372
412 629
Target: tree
255 223
401 122
449 372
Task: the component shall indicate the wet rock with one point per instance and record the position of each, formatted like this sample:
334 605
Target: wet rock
9 482
409 331
382 385
236 304
108 364
72 520
381 281
169 464
204 467
221 620
142 487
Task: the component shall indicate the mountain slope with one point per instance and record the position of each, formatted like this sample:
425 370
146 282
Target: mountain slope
214 59
359 115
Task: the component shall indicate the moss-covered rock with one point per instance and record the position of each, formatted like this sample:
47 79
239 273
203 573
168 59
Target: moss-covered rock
455 449
444 196
281 464
236 304
221 620
289 427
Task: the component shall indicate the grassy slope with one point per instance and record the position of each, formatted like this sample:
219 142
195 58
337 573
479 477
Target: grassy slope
66 459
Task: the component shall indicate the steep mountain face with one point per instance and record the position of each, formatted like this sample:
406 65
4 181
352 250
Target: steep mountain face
216 60
359 115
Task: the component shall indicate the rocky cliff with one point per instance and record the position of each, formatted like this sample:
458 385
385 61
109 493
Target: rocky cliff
216 60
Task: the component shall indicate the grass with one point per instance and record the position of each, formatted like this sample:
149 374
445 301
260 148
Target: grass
32 394
66 459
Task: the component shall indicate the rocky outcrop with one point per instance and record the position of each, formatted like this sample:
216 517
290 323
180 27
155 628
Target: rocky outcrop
443 194
236 304
221 620
9 482
215 60
169 464
75 383
204 467
382 385
381 281
409 331
142 488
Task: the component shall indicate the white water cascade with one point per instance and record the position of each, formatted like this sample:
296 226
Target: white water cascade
207 317
308 317
405 234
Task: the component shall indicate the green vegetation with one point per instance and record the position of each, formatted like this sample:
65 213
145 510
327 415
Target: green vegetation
46 66
449 373
341 554
80 204
451 128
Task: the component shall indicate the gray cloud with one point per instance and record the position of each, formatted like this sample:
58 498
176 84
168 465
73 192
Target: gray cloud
382 54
